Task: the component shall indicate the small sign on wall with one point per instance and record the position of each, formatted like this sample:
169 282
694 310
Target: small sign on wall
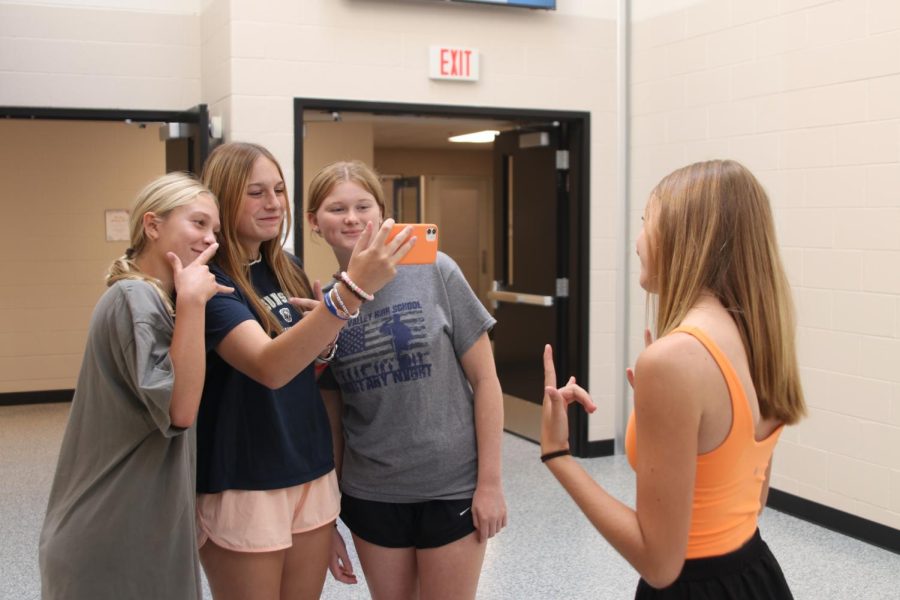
117 229
453 63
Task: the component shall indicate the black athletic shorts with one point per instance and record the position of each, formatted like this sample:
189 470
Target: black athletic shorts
749 573
417 524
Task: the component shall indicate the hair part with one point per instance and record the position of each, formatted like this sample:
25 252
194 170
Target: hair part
160 197
353 171
227 173
713 231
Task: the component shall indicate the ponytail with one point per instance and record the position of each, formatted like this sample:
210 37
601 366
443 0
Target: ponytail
124 268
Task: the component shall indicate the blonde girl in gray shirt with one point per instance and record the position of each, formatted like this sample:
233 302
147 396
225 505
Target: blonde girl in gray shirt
120 522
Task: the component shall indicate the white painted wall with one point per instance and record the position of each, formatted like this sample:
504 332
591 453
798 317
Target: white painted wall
77 57
805 93
186 7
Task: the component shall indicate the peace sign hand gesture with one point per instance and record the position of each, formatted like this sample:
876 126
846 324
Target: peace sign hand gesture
554 413
195 281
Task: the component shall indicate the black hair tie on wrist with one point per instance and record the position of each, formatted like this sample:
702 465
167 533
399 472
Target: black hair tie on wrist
557 454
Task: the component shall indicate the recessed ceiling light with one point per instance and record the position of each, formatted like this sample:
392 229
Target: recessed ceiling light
478 137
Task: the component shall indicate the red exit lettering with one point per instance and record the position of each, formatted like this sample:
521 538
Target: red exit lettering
456 63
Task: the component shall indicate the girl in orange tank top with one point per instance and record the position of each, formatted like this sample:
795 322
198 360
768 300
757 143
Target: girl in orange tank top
711 394
729 479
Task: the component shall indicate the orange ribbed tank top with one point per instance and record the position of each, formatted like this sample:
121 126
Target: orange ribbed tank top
729 479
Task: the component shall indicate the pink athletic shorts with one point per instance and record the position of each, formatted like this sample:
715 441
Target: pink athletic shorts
265 520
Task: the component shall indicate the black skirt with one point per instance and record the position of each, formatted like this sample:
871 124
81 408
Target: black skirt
748 573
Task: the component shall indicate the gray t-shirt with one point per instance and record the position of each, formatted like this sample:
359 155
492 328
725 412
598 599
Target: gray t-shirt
120 522
409 424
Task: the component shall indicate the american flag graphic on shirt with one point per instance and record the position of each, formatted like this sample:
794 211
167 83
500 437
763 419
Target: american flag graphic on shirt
382 348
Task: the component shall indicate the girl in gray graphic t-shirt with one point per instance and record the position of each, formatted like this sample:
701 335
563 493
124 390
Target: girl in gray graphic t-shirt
120 520
419 414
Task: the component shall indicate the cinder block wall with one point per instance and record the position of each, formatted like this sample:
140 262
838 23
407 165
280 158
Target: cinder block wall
805 93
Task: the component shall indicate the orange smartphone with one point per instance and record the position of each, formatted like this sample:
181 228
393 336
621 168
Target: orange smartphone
424 252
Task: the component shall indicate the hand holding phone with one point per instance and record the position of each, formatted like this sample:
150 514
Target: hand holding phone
424 251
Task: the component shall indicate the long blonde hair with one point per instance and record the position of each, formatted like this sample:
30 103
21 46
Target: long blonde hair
226 173
713 230
354 171
161 196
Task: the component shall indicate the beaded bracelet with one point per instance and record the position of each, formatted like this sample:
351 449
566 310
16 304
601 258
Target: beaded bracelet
333 309
362 295
339 302
339 305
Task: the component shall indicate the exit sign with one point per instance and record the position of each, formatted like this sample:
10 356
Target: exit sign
453 62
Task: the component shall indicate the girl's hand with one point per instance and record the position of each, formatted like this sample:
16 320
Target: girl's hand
374 262
340 566
304 305
195 280
554 414
488 511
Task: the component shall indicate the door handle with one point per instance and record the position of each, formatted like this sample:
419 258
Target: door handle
496 296
517 298
510 215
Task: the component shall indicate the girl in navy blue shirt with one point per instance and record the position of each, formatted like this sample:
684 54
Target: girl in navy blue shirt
267 492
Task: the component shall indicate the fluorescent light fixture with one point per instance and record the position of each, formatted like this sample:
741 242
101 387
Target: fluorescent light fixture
479 137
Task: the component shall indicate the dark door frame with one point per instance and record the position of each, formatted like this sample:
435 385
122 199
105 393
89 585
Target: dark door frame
198 116
577 124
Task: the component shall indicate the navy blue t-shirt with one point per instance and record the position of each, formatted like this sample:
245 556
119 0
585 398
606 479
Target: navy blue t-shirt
250 437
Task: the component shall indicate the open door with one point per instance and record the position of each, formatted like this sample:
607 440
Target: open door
530 292
535 246
408 199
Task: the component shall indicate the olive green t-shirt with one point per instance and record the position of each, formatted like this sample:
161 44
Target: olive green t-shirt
120 521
